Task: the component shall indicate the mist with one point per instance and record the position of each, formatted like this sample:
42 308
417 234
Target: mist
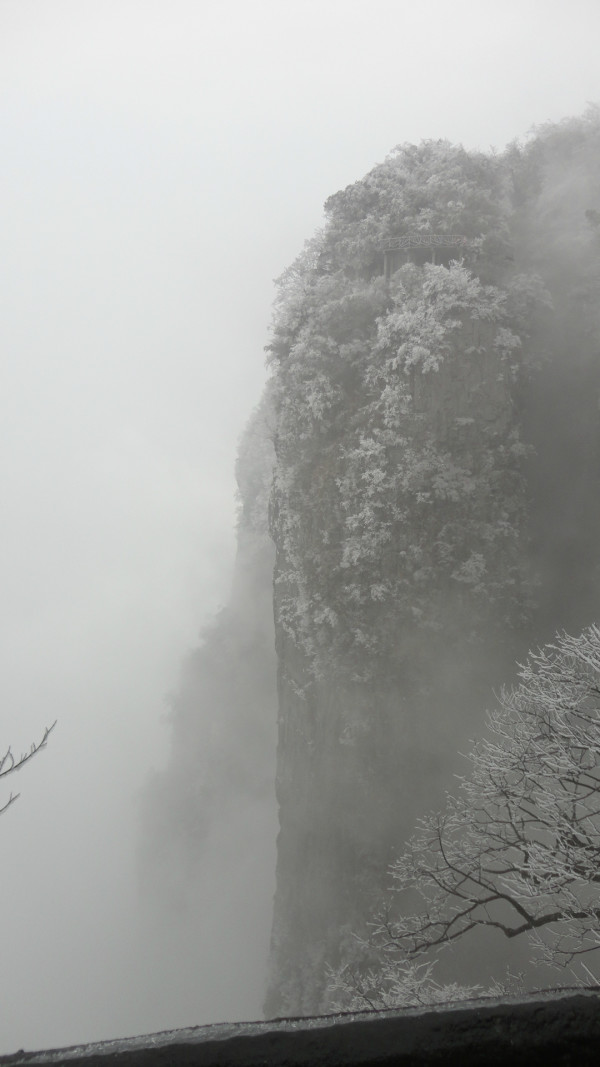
161 163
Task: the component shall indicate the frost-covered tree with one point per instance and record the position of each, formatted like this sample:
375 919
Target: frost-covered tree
518 849
398 985
395 402
9 763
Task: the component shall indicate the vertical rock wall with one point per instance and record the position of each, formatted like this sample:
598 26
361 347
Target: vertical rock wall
435 508
368 736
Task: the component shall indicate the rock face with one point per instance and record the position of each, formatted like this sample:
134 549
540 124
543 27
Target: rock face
408 504
223 713
376 648
207 848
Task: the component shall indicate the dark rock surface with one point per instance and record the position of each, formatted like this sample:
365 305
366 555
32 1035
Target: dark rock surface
544 1028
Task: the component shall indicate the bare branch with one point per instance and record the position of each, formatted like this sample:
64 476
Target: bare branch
9 764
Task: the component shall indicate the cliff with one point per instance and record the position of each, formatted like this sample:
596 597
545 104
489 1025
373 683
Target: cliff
418 508
434 511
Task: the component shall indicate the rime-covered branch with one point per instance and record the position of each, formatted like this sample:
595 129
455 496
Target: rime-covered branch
518 850
9 763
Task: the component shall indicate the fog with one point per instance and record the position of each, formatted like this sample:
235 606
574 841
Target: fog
161 162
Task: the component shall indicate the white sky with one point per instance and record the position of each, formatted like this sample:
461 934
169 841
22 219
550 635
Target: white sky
161 161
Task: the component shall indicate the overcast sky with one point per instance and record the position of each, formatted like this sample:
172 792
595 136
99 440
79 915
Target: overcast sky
161 161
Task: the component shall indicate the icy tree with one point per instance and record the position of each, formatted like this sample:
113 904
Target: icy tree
518 849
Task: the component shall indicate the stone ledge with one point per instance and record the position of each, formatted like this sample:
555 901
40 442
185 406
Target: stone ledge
541 1029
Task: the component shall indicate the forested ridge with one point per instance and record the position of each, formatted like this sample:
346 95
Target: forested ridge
428 455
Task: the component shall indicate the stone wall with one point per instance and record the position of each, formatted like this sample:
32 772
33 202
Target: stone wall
541 1031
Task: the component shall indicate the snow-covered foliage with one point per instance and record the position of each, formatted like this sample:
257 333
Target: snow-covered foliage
398 478
401 986
517 850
